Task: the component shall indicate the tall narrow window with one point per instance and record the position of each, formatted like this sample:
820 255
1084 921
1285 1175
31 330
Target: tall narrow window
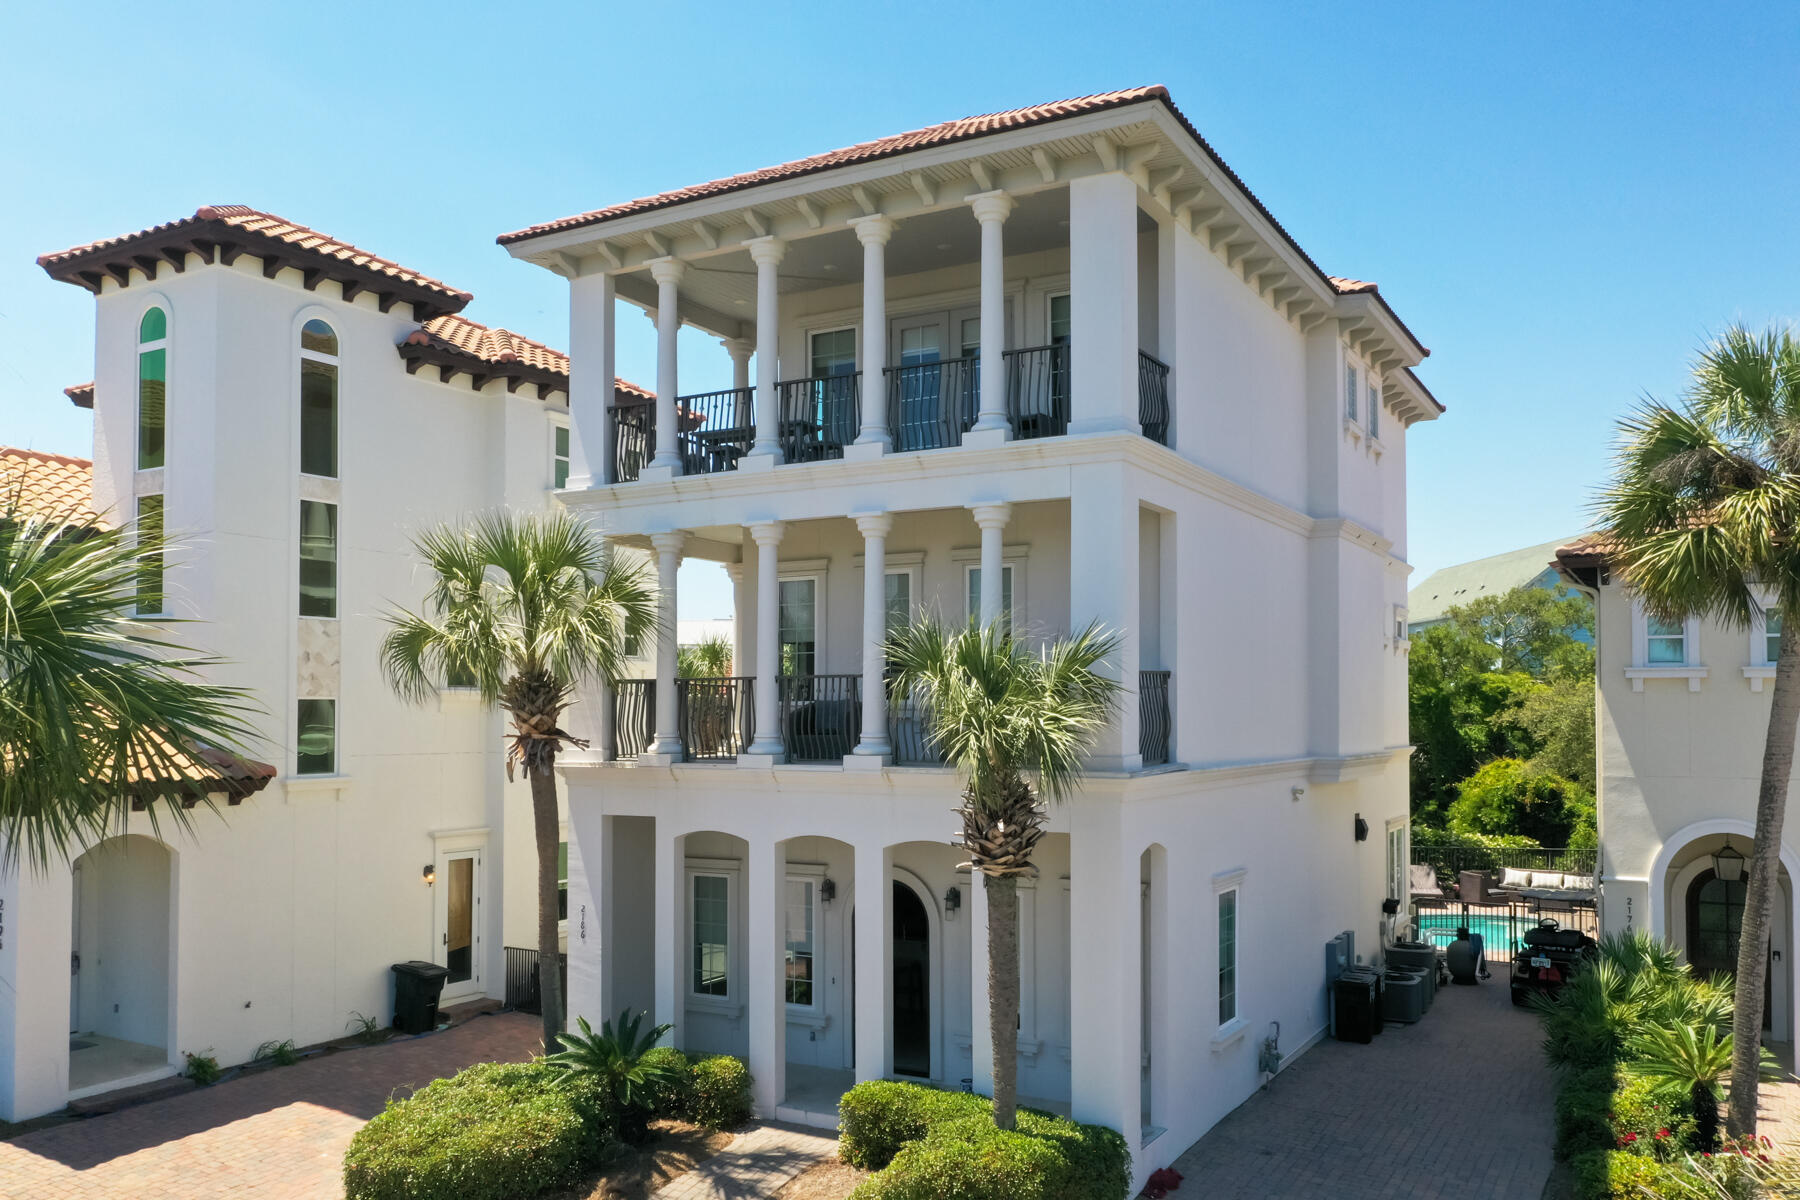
1228 956
1374 410
898 598
711 915
559 455
1060 322
562 881
800 893
1350 383
1006 594
315 742
153 375
318 559
150 559
1771 635
1666 642
318 399
799 626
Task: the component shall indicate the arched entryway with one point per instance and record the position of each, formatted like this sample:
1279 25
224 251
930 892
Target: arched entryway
120 974
912 983
1715 918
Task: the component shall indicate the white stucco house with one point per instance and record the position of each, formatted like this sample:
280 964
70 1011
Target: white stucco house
1056 364
292 409
1681 714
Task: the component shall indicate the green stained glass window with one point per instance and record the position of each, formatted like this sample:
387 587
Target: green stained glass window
153 371
560 454
154 327
316 738
150 560
318 559
318 418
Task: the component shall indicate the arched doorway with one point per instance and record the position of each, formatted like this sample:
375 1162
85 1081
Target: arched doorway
1715 918
120 1002
912 983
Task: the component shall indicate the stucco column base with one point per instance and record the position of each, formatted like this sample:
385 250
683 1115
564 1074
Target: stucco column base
659 473
1087 426
760 460
872 759
764 758
867 451
987 439
658 758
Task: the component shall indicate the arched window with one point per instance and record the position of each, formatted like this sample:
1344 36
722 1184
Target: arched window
318 399
153 374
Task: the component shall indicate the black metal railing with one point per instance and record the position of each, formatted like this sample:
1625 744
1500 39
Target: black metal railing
632 442
716 715
821 715
522 994
931 405
1154 721
634 716
717 429
908 731
1037 391
819 416
1153 398
1450 860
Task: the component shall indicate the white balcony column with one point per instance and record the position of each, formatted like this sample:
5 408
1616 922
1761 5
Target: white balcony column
766 253
667 272
604 708
873 233
740 653
592 339
1105 1007
740 350
671 881
767 743
874 961
874 744
991 209
991 519
1103 304
765 1008
666 746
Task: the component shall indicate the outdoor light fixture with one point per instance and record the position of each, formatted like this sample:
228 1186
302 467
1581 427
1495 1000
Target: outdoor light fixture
1362 828
827 890
1728 864
952 899
429 874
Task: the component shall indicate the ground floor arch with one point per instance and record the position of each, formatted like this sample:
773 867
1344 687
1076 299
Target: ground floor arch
121 960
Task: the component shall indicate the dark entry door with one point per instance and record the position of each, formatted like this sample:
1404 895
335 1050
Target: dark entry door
912 984
1715 917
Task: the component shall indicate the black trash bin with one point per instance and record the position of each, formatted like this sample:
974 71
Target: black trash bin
1356 1008
416 988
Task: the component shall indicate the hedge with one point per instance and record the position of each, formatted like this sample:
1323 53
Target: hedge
927 1144
493 1132
712 1091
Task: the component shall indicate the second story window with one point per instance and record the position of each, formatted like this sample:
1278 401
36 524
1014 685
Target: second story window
318 400
1665 641
150 564
1006 594
559 456
1374 410
153 375
799 626
834 352
1350 386
1060 324
1771 635
315 740
318 559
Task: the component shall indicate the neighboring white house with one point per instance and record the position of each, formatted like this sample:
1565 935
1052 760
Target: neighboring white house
1449 587
1682 712
1055 364
292 410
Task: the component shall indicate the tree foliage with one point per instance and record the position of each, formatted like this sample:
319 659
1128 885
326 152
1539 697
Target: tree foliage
1510 796
708 658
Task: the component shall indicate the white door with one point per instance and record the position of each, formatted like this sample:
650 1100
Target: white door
459 948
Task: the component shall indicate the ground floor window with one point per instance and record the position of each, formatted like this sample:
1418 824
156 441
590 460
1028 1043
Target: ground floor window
1228 906
710 906
801 926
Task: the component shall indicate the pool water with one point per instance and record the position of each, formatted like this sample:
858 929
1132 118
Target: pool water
1499 935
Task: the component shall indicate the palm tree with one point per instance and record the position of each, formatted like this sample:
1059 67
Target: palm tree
999 713
1704 505
99 710
524 608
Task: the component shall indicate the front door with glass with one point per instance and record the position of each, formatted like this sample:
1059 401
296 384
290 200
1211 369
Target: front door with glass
458 921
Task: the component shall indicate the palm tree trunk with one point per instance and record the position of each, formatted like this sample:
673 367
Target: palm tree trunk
1003 993
548 828
1761 886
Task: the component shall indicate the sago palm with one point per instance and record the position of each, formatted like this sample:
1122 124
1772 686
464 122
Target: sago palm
525 608
1693 1060
98 708
1703 507
1017 726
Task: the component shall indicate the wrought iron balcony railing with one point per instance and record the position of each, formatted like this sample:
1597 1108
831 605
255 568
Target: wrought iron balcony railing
717 429
716 716
1037 391
1153 398
632 440
819 416
821 715
634 716
1154 722
931 405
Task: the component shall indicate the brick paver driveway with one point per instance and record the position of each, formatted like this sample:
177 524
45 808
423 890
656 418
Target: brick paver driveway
278 1133
1458 1105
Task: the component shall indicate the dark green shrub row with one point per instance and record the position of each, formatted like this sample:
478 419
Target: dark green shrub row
927 1144
712 1091
493 1132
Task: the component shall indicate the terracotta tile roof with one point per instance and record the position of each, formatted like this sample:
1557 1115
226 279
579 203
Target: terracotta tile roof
51 484
459 344
945 134
189 774
224 231
81 395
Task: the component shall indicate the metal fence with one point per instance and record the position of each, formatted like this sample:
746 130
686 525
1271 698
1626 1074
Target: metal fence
522 992
1451 860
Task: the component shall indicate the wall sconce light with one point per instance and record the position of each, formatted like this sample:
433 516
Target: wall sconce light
827 890
1296 792
429 874
952 900
1728 864
1362 828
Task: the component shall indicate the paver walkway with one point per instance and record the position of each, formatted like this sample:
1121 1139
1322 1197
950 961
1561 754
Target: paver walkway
1458 1105
275 1135
762 1158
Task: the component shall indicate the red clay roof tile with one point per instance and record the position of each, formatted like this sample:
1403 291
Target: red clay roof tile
50 484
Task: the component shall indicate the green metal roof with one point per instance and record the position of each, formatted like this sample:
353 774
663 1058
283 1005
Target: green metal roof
1495 576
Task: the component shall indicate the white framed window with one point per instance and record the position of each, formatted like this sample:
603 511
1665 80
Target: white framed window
559 455
1374 399
972 591
803 954
152 598
800 617
832 351
1665 642
1061 325
318 400
1765 639
1352 379
315 737
1228 956
713 978
1397 861
318 559
152 397
1663 649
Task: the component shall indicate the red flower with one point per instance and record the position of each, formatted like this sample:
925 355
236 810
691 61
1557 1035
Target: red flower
1662 1133
1631 1137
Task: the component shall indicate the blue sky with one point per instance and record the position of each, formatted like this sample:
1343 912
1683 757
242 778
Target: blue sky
1561 200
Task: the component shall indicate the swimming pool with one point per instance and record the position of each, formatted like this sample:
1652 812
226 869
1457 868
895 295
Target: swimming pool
1499 934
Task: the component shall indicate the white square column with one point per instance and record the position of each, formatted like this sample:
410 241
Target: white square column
671 936
1103 304
593 333
1104 585
36 912
665 748
1105 1005
765 888
588 900
766 253
767 746
667 272
874 988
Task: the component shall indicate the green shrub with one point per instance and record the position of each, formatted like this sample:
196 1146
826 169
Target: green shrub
1584 1112
1651 1120
969 1159
494 1132
878 1117
1616 1175
202 1068
672 1095
718 1092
